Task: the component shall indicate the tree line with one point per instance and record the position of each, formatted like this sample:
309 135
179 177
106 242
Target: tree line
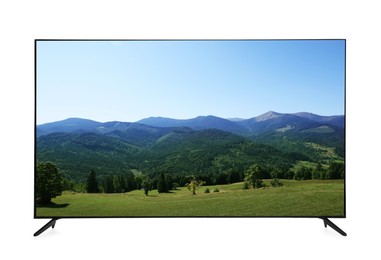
50 183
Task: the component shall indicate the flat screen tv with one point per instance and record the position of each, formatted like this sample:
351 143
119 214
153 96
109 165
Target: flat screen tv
189 128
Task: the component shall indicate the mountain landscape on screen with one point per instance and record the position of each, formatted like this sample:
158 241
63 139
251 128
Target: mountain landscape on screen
205 146
189 141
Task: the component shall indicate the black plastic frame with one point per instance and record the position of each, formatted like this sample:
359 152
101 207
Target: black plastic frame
54 218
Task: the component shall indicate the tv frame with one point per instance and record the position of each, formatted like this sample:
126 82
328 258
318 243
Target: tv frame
53 220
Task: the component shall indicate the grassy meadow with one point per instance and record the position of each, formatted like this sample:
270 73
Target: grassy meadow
295 198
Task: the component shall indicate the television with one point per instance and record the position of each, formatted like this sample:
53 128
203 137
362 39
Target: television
189 128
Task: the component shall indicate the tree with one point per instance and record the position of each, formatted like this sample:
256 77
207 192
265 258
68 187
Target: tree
289 174
109 184
92 183
307 174
146 185
323 174
253 176
130 181
336 171
116 183
122 182
49 182
234 175
316 173
138 180
194 185
162 184
222 178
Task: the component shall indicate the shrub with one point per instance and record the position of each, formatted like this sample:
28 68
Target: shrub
207 191
276 183
216 190
245 185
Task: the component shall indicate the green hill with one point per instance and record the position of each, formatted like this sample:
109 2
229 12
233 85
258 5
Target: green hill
213 147
76 154
177 153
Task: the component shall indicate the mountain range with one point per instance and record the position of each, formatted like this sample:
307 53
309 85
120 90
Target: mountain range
193 146
270 121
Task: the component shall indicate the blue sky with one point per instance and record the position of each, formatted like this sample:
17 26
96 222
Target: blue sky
131 80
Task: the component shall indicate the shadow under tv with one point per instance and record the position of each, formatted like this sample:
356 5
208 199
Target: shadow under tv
132 128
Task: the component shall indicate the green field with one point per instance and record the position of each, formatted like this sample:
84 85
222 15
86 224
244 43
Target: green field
295 198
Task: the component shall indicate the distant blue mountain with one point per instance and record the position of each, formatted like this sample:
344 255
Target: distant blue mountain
267 122
332 120
133 133
273 121
197 123
270 121
67 125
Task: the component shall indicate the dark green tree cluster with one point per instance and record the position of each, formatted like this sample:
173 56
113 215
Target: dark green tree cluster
304 173
335 170
92 183
49 183
162 183
120 183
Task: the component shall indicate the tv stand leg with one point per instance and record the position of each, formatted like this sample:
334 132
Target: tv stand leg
336 228
51 223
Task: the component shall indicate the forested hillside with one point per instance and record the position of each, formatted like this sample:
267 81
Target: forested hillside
216 149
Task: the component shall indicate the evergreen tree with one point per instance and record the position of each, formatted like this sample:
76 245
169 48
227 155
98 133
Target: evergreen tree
130 181
335 171
116 183
92 183
109 184
122 182
162 184
49 182
169 179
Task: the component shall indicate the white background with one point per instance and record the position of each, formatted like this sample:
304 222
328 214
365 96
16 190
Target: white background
23 21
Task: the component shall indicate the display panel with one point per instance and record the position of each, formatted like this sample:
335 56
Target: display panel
189 128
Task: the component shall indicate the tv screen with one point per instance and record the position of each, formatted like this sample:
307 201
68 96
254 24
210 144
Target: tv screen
189 128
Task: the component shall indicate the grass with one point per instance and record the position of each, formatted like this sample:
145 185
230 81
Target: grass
295 198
